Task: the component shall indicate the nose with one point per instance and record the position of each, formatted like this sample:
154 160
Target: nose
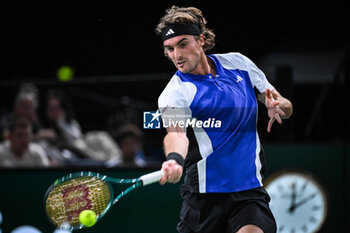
177 53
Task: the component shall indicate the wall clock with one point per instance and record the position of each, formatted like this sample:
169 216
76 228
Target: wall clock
298 201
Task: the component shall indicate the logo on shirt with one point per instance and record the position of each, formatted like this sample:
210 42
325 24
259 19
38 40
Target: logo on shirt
239 78
151 120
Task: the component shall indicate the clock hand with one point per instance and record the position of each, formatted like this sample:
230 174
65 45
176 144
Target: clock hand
293 197
302 202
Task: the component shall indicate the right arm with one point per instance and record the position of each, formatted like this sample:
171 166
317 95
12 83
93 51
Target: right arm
175 141
174 104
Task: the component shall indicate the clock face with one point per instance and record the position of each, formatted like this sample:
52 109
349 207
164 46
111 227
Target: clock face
298 202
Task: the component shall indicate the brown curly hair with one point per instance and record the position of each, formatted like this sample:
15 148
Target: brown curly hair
185 15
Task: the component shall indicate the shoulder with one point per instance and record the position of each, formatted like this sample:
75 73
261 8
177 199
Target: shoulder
34 147
241 62
232 60
4 149
177 93
37 152
3 145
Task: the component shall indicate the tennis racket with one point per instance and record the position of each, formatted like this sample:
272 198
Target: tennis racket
71 194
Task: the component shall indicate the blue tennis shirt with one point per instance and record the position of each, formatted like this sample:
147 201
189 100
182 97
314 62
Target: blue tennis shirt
227 157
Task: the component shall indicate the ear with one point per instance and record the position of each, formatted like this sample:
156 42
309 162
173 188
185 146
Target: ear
201 40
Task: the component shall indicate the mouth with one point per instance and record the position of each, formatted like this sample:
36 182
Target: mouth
180 64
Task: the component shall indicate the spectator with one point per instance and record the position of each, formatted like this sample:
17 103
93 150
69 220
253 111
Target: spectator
60 119
61 129
99 146
63 132
18 150
129 139
26 104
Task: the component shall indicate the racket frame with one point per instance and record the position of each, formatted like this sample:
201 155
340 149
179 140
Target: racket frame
136 183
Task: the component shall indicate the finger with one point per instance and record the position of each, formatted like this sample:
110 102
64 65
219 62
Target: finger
175 174
275 103
278 118
269 125
173 178
165 168
162 180
279 111
268 98
178 173
169 178
271 102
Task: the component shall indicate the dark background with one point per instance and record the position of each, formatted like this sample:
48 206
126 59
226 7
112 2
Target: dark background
99 39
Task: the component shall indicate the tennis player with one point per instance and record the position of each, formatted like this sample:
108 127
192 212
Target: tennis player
222 154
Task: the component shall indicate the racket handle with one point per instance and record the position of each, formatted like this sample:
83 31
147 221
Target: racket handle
151 178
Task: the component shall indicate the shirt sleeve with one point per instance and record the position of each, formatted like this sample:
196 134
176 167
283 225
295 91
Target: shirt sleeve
171 97
173 108
257 77
174 102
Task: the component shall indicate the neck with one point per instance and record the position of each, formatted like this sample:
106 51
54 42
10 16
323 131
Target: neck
206 66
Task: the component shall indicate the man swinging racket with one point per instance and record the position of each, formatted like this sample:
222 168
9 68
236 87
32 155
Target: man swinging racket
224 162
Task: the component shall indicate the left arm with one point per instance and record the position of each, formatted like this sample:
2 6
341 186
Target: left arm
278 107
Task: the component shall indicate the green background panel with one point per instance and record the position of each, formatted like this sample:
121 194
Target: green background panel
155 208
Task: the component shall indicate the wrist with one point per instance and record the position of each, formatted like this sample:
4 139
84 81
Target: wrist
177 157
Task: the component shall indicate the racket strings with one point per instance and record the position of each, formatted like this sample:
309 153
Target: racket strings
68 199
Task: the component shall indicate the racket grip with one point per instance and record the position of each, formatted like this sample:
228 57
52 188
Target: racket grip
151 178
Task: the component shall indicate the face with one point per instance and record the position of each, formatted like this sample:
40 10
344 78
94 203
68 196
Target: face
25 108
129 146
54 110
20 139
185 52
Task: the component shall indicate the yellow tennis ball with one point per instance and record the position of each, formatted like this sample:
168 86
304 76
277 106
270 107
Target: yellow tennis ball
65 73
88 218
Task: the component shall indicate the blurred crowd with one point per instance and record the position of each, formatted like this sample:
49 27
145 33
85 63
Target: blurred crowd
57 140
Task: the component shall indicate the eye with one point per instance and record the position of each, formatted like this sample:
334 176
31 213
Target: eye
183 44
169 49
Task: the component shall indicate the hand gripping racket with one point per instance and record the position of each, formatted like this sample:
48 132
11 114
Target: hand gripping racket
79 191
